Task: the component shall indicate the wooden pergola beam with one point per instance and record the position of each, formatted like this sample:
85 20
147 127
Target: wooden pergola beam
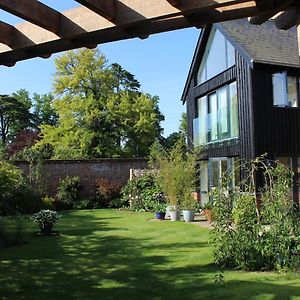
175 3
265 16
105 8
83 27
34 12
12 37
286 20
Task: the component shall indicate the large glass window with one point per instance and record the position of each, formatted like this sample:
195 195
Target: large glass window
234 122
223 112
202 116
217 116
218 56
196 134
285 90
213 113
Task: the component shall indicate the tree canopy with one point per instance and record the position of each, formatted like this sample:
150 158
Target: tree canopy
14 116
101 110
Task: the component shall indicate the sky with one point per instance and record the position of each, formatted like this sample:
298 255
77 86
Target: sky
160 63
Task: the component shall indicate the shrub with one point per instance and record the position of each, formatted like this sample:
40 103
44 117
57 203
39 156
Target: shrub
253 237
176 170
11 231
142 193
48 202
68 192
16 195
107 193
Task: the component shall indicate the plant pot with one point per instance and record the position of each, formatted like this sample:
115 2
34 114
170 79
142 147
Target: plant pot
175 213
168 209
46 229
208 215
160 215
188 215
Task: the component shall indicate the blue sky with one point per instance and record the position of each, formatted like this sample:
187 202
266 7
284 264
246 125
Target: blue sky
160 63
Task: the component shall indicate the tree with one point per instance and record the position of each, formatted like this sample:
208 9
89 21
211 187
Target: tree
14 116
171 140
101 111
43 109
26 138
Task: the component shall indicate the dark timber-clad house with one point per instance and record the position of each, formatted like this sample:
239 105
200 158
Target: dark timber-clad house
242 97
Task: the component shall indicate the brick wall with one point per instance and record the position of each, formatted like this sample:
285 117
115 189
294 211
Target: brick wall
88 171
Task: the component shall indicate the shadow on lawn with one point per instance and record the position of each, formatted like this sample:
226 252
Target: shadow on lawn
93 262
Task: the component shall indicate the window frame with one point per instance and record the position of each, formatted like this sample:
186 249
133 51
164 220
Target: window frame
286 76
202 67
215 96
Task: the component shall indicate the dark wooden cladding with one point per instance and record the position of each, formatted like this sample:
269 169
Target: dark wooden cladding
216 82
191 113
246 128
263 128
227 148
277 128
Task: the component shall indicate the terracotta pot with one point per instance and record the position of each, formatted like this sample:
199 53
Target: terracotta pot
208 215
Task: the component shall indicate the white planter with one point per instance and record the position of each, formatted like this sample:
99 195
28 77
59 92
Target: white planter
168 208
175 214
188 215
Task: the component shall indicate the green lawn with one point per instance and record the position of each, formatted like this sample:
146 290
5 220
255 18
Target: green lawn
111 254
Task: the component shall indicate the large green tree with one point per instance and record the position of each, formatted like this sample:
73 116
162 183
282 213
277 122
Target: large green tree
101 110
14 116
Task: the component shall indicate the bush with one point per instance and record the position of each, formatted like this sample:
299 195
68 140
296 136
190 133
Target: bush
142 193
176 170
107 193
48 202
16 195
11 231
68 192
257 237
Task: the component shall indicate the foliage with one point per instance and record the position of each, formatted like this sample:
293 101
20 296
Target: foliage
142 193
177 170
25 139
11 237
107 193
14 116
37 178
68 192
101 112
159 207
188 202
257 237
48 202
16 195
171 140
43 110
45 217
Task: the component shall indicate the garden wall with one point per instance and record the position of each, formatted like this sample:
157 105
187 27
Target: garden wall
117 170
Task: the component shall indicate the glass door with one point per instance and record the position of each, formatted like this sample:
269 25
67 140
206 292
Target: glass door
217 168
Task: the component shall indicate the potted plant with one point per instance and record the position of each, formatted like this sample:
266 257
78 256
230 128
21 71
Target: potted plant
207 211
176 173
46 219
188 207
160 211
